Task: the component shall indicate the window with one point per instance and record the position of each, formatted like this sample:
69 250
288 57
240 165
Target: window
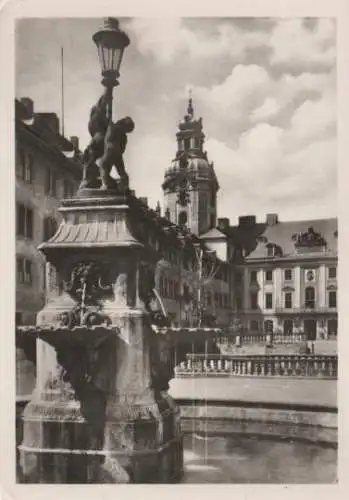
310 297
254 325
28 171
28 271
332 327
20 270
270 251
254 300
24 271
19 318
253 277
24 165
51 182
268 300
238 303
269 275
24 221
50 227
288 327
209 298
187 144
288 274
332 272
268 326
332 298
238 277
288 300
68 187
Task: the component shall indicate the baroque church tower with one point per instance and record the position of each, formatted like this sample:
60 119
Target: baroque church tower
190 186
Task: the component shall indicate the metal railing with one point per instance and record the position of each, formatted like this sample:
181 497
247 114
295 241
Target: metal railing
259 366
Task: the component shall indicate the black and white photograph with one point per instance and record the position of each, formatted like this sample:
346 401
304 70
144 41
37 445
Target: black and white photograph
176 250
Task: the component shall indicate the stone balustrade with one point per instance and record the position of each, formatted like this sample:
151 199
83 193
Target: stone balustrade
261 338
259 365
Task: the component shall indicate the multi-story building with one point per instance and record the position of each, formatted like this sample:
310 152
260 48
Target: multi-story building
47 169
286 276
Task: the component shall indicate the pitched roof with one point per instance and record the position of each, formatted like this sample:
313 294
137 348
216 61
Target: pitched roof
254 238
213 234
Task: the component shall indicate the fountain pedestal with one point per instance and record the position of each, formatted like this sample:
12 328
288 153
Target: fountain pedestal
100 412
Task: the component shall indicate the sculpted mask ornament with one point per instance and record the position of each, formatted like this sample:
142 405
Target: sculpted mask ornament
88 287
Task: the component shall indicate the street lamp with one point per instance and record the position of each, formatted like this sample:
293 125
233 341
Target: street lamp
111 43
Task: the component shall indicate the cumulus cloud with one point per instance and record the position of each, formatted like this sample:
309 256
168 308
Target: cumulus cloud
168 38
295 44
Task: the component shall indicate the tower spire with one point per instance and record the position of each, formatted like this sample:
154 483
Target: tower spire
190 104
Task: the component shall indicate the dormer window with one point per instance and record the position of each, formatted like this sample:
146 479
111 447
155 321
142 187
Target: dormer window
273 250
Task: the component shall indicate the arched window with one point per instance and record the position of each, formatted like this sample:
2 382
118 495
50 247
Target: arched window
310 297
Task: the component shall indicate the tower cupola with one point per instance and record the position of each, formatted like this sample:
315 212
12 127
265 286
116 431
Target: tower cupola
190 185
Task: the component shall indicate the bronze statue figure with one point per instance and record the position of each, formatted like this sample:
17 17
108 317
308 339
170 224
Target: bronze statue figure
108 144
115 142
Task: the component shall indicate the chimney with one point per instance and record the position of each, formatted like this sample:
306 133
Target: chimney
223 223
247 220
51 121
75 142
29 106
272 219
144 200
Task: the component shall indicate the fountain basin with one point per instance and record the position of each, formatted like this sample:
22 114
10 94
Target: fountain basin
222 458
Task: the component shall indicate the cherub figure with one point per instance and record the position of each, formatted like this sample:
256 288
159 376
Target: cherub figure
115 142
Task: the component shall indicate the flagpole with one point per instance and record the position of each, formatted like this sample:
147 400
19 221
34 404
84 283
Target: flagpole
62 92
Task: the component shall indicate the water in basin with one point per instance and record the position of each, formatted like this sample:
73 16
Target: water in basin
246 459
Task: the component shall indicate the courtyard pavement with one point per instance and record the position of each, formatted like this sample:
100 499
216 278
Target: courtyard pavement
302 391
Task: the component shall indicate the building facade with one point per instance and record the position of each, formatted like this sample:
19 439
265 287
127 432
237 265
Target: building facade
286 276
191 280
47 168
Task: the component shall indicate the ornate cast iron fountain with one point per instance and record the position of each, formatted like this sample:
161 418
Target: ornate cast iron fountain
100 412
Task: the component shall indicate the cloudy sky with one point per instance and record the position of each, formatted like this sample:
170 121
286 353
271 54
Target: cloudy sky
265 88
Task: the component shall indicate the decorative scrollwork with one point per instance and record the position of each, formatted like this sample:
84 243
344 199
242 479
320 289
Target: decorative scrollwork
309 238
